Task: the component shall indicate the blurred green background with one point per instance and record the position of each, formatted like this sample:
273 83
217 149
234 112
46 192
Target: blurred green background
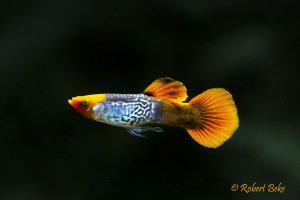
53 50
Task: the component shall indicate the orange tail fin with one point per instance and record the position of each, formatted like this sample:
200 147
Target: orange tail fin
218 117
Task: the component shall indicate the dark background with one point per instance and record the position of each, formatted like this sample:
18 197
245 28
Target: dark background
53 50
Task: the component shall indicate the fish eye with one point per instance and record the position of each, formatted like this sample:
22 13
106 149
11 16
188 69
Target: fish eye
83 104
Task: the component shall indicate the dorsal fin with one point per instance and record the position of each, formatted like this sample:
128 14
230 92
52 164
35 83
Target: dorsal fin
167 89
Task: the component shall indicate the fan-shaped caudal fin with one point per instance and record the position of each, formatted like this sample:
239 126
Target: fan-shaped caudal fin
218 117
167 89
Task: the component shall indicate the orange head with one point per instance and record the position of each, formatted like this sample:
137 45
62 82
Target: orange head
84 104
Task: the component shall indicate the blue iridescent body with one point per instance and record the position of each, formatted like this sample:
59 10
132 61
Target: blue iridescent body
127 110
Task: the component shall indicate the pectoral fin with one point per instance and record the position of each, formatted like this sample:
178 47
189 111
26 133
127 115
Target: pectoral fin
140 130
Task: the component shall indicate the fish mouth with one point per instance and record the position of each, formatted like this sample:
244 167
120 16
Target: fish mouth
74 104
70 101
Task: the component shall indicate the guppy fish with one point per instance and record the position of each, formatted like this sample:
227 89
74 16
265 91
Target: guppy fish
210 118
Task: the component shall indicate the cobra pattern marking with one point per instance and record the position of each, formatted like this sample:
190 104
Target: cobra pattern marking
128 109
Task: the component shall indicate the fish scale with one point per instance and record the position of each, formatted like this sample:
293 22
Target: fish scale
126 110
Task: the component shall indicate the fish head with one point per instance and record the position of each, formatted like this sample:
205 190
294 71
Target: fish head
84 104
